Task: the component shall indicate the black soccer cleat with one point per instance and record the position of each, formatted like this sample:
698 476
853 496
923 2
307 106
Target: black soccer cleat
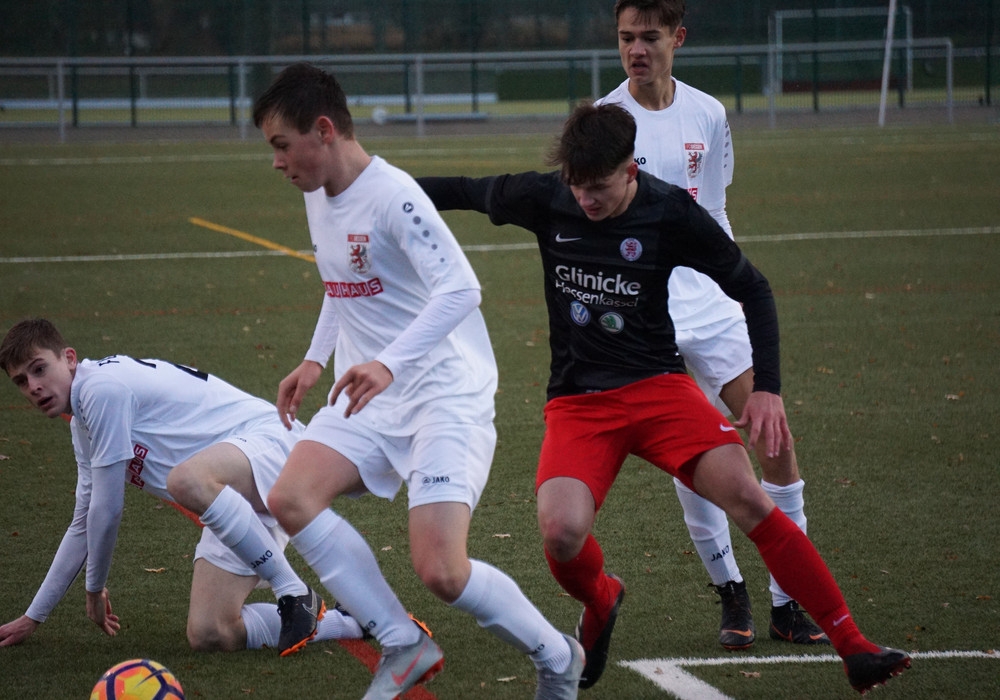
597 655
736 631
865 671
789 623
299 617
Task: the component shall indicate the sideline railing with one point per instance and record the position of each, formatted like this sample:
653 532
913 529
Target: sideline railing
68 93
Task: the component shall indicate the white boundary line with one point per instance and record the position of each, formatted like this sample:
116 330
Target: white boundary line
491 248
669 674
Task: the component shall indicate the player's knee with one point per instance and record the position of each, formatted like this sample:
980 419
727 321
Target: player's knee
563 539
443 580
210 635
280 503
182 486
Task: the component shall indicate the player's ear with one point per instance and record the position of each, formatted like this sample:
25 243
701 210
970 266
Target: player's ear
325 128
633 170
679 36
70 355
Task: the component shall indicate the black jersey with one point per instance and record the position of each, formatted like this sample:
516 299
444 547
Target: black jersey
606 281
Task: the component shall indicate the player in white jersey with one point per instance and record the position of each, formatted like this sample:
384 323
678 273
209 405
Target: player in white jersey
412 401
189 438
683 138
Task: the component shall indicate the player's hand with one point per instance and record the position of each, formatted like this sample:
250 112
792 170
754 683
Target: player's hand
764 419
362 384
16 631
99 610
294 388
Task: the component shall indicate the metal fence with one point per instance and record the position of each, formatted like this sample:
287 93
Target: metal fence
74 93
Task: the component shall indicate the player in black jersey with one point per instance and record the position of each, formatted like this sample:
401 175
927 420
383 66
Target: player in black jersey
609 236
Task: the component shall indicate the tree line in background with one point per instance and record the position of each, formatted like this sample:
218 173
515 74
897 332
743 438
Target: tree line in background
283 27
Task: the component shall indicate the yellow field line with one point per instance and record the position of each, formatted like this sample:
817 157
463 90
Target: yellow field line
263 242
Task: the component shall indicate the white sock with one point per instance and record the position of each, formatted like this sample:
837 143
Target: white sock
234 522
790 501
499 605
347 568
263 624
709 528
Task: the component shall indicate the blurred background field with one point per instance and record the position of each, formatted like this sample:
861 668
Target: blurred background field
881 246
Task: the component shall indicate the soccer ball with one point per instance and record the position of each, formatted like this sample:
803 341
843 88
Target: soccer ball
137 679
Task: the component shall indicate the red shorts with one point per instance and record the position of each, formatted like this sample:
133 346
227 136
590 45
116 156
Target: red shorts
665 420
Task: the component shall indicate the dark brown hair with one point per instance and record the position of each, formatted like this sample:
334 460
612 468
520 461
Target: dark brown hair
668 13
595 141
27 336
301 94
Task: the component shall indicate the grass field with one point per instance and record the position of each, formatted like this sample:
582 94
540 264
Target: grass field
882 247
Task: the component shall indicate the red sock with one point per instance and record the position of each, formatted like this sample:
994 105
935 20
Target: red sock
583 578
800 571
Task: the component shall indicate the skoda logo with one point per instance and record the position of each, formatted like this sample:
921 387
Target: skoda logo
612 322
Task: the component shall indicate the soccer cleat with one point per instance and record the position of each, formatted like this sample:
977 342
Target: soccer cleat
299 615
401 668
790 624
565 685
597 654
865 671
736 631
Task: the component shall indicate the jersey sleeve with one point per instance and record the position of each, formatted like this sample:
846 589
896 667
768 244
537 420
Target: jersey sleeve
718 175
103 518
324 339
704 246
521 200
107 408
70 556
440 317
412 220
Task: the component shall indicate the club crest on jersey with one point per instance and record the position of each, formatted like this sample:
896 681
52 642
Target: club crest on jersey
357 251
630 249
695 158
579 313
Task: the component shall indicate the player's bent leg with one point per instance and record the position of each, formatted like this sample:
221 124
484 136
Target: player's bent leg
312 478
214 614
197 482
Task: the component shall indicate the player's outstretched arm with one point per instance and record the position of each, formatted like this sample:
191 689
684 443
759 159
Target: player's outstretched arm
16 631
294 388
99 610
764 419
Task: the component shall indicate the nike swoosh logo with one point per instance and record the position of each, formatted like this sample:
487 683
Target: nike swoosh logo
742 633
398 680
560 239
836 623
726 428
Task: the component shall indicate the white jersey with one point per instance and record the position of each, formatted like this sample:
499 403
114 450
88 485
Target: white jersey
383 251
688 145
155 415
149 415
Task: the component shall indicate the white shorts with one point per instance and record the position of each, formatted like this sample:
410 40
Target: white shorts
440 463
267 448
715 355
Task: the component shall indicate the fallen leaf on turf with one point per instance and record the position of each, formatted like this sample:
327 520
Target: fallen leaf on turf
502 535
155 571
506 679
750 674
